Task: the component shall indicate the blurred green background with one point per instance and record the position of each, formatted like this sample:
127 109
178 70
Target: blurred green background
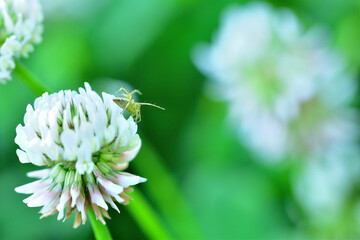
148 44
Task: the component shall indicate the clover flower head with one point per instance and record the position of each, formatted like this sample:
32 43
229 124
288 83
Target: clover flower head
271 71
324 184
20 28
84 142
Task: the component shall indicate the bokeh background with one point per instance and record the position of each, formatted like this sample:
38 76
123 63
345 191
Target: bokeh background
203 182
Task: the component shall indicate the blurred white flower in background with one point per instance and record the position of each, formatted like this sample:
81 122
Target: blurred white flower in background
285 87
84 141
323 184
289 95
20 28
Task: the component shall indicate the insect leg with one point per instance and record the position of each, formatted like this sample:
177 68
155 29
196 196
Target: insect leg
122 88
138 117
127 105
150 104
135 91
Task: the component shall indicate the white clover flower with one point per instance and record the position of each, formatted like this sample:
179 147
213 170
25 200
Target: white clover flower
273 74
324 184
20 28
84 141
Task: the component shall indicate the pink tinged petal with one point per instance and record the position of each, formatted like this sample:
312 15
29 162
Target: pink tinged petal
43 196
110 186
32 187
96 197
39 173
119 166
65 197
23 157
80 206
34 196
114 195
50 208
43 199
74 192
108 199
131 154
97 173
127 179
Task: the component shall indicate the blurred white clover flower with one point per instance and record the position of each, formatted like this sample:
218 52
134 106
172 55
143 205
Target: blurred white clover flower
323 184
285 87
85 142
20 28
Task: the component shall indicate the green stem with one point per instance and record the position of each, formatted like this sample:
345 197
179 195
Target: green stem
101 231
147 219
172 205
29 79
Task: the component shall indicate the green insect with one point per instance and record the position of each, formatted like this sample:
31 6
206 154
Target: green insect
128 103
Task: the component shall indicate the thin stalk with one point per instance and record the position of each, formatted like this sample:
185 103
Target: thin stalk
100 230
172 205
146 217
29 79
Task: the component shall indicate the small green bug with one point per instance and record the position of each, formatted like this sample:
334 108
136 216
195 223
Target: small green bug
128 103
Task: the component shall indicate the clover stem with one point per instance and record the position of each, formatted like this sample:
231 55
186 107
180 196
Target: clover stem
146 217
100 230
29 79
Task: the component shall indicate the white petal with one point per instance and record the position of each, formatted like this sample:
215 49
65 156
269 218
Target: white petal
23 157
70 141
110 186
32 187
108 199
65 197
127 179
80 206
131 154
44 198
39 173
96 197
74 191
21 138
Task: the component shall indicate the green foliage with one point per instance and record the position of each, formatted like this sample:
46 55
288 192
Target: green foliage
202 183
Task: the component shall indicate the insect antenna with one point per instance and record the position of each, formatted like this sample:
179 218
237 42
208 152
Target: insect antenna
150 104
